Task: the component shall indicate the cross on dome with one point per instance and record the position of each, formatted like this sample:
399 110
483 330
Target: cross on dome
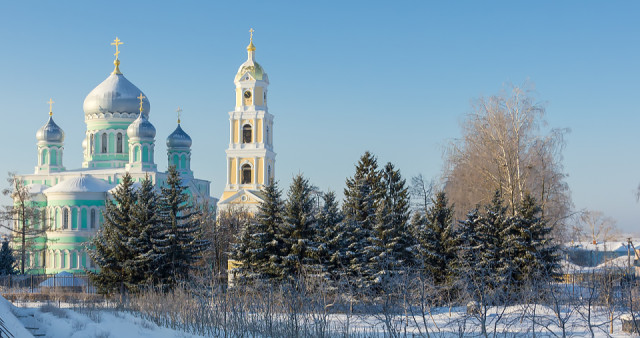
141 97
50 106
251 47
179 110
117 42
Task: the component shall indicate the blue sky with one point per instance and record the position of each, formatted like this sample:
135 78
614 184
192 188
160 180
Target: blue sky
392 77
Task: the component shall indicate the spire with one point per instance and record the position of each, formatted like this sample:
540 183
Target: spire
116 62
50 106
179 110
251 49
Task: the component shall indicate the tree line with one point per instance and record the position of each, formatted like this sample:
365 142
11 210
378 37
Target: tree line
372 239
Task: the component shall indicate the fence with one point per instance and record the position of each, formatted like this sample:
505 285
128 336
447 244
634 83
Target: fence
46 283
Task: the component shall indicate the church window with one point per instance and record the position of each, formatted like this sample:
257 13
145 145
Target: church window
104 143
268 175
92 223
45 157
246 134
183 162
145 154
266 139
53 156
119 143
65 218
74 260
246 174
91 143
265 98
176 161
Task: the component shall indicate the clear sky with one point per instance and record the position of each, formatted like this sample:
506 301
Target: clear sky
392 77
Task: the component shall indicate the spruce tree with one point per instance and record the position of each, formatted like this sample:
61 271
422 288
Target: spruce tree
109 249
394 248
493 261
470 246
537 256
299 250
178 241
437 240
362 197
258 248
144 222
330 236
7 261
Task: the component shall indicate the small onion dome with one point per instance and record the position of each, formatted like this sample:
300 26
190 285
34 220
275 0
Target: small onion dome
50 133
115 95
178 139
141 128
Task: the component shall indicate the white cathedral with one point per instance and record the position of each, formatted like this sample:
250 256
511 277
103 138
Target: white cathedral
120 138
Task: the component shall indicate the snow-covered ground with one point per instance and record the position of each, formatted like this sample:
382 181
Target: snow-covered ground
37 319
54 321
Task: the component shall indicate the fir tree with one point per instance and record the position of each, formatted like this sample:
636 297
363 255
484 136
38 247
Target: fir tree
362 197
537 257
493 261
330 235
144 222
178 241
393 246
109 248
258 248
470 246
437 240
7 261
296 233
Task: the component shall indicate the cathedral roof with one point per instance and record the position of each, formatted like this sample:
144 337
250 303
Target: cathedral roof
50 132
251 66
116 94
141 128
179 139
82 183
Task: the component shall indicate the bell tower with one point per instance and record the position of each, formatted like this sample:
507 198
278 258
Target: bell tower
250 156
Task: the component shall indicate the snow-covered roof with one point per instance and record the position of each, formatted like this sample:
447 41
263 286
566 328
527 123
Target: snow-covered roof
63 279
83 183
35 188
613 246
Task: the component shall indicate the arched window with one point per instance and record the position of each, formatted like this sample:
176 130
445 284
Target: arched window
136 153
92 221
246 134
104 143
53 157
65 218
91 143
183 161
119 143
268 175
45 157
246 174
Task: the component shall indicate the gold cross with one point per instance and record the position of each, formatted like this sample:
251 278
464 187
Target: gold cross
50 106
251 31
141 97
179 110
117 43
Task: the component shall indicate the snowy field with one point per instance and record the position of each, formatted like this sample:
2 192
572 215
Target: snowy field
42 319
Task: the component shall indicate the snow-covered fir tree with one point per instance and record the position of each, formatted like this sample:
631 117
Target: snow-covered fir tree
436 240
258 248
178 241
145 220
7 261
299 250
330 235
109 249
361 199
537 257
493 261
393 249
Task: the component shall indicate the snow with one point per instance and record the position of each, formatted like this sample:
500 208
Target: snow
83 183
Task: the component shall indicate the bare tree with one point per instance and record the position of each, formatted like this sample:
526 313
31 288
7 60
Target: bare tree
25 218
223 234
503 148
598 226
421 193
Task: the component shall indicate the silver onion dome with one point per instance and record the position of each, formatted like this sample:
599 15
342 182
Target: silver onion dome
116 94
141 128
50 133
179 139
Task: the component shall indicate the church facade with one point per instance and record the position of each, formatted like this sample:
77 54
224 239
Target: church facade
119 139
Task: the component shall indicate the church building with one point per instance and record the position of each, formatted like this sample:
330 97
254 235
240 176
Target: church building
119 138
250 156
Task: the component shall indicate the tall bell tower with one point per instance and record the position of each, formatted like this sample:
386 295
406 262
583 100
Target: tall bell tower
250 156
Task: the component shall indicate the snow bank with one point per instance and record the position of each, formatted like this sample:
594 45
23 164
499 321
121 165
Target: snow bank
11 322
